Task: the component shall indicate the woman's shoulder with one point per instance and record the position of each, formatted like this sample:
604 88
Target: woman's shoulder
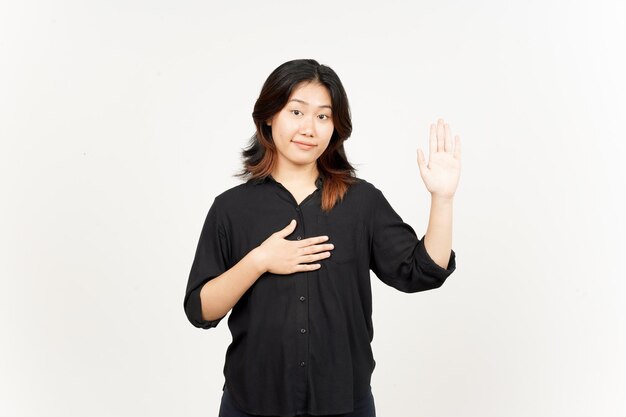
364 193
234 194
362 185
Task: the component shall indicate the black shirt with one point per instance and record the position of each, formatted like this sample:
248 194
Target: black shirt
301 342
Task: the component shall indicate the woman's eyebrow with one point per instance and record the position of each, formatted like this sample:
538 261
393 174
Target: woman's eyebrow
304 102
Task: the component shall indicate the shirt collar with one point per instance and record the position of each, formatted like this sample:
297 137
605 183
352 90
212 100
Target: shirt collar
318 183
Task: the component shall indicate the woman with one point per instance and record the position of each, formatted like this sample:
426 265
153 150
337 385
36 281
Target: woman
291 249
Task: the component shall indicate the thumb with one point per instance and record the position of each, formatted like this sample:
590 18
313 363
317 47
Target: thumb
421 161
288 229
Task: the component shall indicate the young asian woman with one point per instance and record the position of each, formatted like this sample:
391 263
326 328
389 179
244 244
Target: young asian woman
289 253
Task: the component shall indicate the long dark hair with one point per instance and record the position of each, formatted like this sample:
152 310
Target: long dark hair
260 157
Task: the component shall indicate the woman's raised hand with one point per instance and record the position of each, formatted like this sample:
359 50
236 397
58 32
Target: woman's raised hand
441 173
282 256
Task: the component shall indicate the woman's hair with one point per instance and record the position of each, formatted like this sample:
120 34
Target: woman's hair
260 157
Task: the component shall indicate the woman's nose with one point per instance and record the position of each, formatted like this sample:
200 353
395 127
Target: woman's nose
307 126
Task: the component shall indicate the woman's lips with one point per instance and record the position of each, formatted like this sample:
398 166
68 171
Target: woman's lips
303 146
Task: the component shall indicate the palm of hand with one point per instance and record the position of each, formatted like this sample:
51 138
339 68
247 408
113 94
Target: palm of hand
442 172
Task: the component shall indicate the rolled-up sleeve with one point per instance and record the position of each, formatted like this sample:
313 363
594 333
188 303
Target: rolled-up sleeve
210 261
398 257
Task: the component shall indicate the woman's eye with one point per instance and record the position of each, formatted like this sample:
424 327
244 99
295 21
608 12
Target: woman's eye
294 111
324 117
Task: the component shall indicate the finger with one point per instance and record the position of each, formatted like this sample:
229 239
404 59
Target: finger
457 147
322 247
448 139
316 249
308 267
440 136
312 241
432 139
286 231
421 161
308 258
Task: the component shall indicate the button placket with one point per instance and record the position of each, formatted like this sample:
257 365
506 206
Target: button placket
302 319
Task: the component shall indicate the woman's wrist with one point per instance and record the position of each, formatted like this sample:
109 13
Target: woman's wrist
257 259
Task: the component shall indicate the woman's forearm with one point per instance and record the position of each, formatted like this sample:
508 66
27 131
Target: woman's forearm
219 295
438 238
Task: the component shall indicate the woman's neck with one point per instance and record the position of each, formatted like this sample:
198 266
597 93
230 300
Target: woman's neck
298 177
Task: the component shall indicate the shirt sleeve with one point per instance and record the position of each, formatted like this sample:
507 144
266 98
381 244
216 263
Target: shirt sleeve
398 257
210 261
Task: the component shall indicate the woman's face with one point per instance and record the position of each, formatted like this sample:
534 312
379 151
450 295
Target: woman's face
305 119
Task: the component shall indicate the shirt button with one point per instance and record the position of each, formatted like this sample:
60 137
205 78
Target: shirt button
302 330
302 363
302 298
299 237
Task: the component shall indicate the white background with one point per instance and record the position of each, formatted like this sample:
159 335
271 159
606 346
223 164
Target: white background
121 120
